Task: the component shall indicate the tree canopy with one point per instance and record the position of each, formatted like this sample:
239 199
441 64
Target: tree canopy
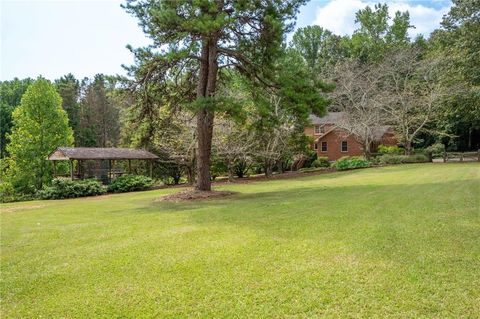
39 126
194 42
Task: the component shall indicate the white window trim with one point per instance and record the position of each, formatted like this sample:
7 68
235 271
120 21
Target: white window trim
341 147
320 129
321 148
315 146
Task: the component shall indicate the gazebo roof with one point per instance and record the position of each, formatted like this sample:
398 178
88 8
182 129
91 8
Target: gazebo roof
98 153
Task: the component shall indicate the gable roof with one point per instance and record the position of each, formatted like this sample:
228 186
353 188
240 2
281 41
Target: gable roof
330 118
98 153
378 132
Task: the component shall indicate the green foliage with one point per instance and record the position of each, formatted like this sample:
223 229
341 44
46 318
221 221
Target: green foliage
311 169
130 183
8 194
69 89
321 162
40 126
66 188
436 149
351 162
218 167
241 168
98 123
375 35
402 159
197 45
385 149
10 95
318 47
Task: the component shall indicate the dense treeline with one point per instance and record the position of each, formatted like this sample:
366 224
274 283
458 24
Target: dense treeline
264 89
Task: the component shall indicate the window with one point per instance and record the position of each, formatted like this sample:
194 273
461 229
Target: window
324 146
315 146
344 146
318 129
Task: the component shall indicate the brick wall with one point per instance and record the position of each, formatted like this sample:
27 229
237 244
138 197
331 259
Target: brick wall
334 145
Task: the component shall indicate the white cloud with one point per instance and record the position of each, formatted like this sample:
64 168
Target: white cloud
338 16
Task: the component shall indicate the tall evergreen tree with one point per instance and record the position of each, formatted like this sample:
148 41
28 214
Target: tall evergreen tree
193 41
69 89
99 117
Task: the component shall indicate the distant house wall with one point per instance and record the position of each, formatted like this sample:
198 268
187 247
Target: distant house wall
334 141
389 138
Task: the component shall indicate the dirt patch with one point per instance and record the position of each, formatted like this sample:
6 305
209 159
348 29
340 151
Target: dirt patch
19 208
194 195
286 175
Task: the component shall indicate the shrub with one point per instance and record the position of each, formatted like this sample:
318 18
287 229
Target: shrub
401 159
321 162
8 194
436 149
129 183
311 169
66 188
353 162
310 156
384 149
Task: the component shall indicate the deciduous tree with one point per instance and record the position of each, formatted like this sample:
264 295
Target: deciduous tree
39 126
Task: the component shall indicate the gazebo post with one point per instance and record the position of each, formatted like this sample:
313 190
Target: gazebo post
151 168
71 169
109 170
79 162
54 169
130 167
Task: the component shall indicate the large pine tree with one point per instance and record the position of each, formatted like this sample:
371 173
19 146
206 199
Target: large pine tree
193 41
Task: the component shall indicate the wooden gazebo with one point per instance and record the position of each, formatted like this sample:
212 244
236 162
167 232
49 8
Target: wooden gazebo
104 157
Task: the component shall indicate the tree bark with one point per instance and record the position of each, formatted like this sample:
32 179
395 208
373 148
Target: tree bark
366 150
206 89
231 171
408 147
268 169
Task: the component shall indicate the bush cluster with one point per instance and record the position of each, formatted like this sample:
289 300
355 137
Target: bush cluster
66 188
383 149
402 159
321 162
351 162
129 183
436 149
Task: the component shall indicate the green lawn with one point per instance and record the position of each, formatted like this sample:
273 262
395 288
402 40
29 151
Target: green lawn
399 241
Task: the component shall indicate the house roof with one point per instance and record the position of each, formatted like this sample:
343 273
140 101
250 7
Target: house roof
336 117
97 153
330 118
380 131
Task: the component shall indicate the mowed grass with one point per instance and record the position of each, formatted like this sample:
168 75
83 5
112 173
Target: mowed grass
399 241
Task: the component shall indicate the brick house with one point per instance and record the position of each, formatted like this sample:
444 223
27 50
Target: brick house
333 142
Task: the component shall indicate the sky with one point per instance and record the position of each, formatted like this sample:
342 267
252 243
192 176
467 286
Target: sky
56 37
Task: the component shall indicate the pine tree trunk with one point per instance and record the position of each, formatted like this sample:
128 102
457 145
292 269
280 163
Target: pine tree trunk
205 89
204 137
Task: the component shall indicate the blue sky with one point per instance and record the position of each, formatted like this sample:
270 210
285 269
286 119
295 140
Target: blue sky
53 38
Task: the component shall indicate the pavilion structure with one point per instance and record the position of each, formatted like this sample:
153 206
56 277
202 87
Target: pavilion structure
99 162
